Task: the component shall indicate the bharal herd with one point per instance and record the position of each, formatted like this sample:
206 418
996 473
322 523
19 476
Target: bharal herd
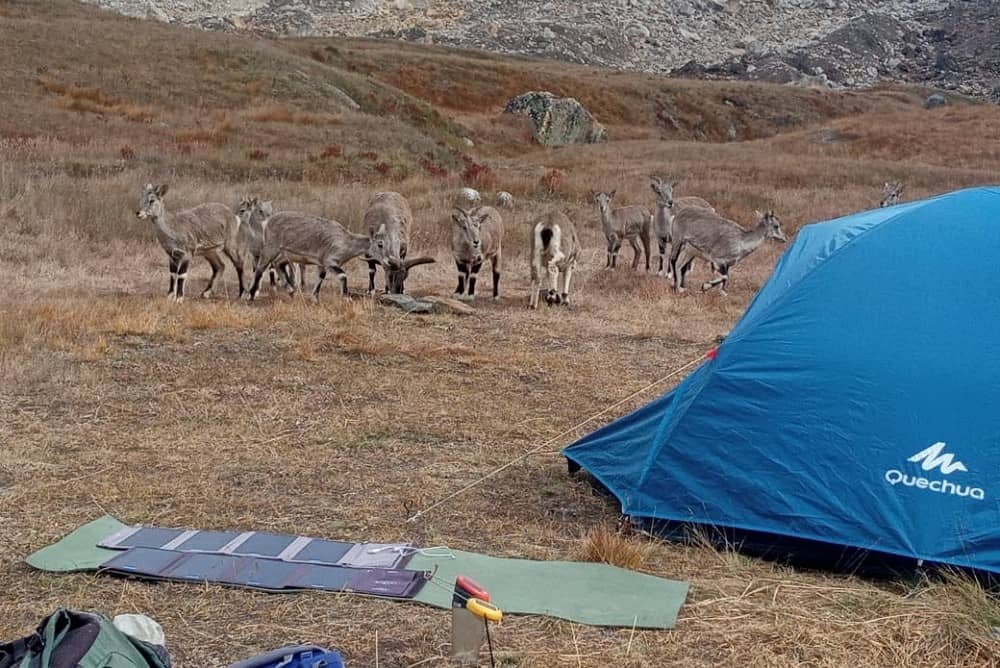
288 241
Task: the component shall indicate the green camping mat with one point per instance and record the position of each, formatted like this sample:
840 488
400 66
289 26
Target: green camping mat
588 593
583 592
78 551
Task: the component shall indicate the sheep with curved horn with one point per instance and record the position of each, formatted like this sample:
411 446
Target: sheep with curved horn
388 220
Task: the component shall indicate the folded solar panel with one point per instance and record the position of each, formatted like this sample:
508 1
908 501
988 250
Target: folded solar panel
263 573
285 547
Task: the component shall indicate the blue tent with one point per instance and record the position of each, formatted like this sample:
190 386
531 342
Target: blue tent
856 404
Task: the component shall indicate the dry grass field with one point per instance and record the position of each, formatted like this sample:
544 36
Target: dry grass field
340 419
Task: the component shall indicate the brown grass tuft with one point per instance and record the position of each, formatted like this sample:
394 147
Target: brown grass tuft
607 545
276 113
94 100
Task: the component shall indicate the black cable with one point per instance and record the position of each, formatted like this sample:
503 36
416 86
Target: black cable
489 643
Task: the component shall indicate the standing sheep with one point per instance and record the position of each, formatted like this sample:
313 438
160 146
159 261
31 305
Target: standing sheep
476 236
702 233
666 207
629 223
291 237
205 230
554 247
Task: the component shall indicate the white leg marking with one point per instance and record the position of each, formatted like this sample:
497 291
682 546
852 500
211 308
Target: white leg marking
567 277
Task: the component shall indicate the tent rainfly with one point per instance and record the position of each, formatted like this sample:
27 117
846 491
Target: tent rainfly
853 409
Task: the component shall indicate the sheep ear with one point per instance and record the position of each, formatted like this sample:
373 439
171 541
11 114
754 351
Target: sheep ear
612 193
655 179
758 213
161 190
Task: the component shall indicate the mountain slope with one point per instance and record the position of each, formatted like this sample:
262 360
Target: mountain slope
953 45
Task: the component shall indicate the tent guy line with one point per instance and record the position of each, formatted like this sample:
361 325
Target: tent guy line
555 438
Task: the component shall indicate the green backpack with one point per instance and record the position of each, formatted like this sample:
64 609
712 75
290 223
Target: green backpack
69 639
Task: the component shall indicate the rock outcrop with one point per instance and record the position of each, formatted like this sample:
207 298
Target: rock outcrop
557 121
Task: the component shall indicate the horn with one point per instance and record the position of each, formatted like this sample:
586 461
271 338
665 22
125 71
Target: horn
413 262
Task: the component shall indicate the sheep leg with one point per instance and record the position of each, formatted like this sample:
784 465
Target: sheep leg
645 249
462 271
217 268
496 276
342 278
173 279
684 268
675 252
567 276
552 297
258 273
473 277
635 253
182 270
662 243
288 274
371 276
319 283
722 279
535 286
238 266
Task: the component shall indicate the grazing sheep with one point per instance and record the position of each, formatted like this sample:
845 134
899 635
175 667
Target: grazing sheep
476 236
624 223
890 194
388 220
554 246
204 230
291 237
701 233
505 200
666 207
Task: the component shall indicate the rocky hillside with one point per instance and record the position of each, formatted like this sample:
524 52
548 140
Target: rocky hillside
836 43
